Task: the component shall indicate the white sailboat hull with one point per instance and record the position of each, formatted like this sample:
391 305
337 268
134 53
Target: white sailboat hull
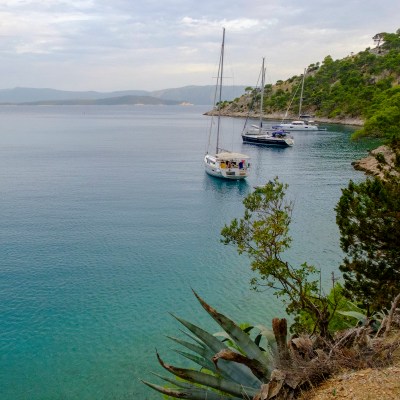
233 169
225 164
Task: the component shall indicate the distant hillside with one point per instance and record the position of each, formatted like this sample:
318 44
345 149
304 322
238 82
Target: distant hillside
201 95
198 95
110 101
26 95
363 86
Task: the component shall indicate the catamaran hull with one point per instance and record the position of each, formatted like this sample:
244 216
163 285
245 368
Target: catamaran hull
265 141
298 128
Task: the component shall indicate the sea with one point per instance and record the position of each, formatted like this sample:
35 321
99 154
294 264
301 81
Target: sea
108 223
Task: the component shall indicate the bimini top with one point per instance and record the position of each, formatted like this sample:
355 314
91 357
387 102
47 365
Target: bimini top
298 123
226 156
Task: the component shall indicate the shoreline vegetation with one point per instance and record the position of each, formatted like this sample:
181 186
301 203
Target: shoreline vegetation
281 116
328 354
360 90
376 163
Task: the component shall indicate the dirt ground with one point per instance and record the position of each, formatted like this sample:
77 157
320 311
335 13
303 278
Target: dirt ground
367 384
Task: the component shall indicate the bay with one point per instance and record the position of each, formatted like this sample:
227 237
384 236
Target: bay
108 222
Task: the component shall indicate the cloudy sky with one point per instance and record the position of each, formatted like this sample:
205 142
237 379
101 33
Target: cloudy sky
108 45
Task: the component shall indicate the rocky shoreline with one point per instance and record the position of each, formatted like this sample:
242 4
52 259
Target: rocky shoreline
281 116
379 161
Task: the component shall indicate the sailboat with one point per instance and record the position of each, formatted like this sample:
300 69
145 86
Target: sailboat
303 123
261 135
224 164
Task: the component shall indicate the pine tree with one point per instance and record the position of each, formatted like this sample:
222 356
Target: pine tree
368 217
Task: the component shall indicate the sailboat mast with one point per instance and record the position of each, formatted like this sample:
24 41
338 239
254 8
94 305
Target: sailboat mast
219 81
262 92
302 90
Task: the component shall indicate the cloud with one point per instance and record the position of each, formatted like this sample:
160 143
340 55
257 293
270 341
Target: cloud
124 44
204 26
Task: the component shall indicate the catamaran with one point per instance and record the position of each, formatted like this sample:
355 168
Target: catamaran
303 123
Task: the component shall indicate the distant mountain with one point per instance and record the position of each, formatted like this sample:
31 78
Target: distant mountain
198 95
201 95
110 101
25 95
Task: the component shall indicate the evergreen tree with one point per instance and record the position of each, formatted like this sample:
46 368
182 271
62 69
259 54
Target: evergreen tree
368 216
364 85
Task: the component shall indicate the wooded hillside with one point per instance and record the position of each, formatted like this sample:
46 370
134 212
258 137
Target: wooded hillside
364 85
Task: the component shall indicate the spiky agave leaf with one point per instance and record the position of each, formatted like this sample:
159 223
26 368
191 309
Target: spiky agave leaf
191 390
193 337
362 319
268 335
206 355
192 393
202 351
185 390
237 372
223 385
234 374
268 344
177 382
235 356
242 339
203 362
207 338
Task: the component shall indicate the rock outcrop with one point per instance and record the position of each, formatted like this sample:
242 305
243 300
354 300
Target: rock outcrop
379 162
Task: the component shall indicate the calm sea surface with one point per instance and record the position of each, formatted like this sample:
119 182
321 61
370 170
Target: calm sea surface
107 220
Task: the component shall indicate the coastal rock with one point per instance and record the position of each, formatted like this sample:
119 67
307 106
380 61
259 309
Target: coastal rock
379 161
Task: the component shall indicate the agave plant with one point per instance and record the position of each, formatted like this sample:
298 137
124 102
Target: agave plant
235 367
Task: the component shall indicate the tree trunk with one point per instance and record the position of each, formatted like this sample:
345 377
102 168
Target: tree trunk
279 326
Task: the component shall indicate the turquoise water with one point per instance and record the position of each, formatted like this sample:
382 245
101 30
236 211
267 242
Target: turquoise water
107 222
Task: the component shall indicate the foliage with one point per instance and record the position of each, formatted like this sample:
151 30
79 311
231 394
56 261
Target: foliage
283 369
363 85
384 117
343 312
368 217
263 234
391 40
255 362
262 337
226 373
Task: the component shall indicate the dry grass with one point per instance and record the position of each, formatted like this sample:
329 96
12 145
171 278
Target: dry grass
373 384
365 384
